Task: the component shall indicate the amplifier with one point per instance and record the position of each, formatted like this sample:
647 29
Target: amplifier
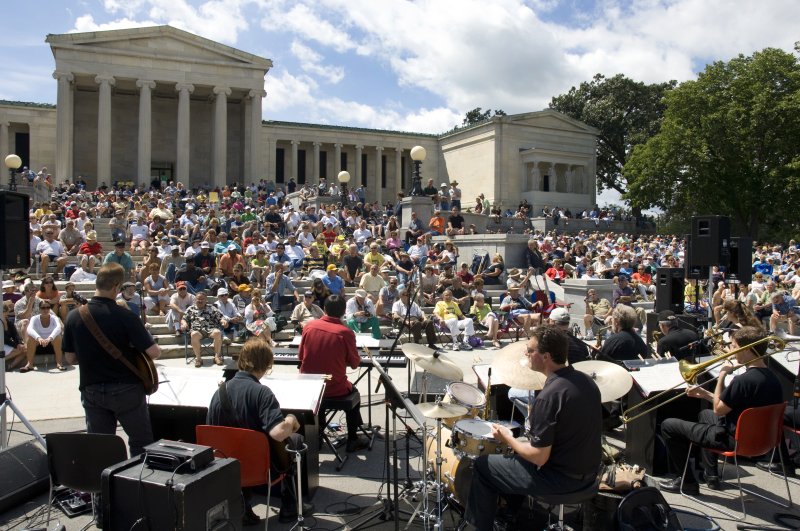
138 496
169 455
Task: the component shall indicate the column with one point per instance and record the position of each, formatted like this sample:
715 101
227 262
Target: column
184 90
398 171
4 151
145 128
315 178
104 128
295 143
63 167
553 177
536 178
221 135
378 174
267 162
357 181
256 169
337 164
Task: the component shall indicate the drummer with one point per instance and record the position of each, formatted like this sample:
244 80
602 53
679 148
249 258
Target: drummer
577 351
564 451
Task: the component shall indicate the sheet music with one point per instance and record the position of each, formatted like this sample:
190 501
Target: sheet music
658 378
362 340
789 358
297 391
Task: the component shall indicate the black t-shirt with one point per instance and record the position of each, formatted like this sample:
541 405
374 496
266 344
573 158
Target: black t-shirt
121 326
757 387
625 345
188 275
254 405
207 260
353 264
534 259
567 417
675 341
578 350
273 218
456 221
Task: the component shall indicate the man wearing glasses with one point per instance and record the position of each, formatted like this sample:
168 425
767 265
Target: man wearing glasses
414 319
51 250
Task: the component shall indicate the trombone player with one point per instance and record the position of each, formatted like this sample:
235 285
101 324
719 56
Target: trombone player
756 387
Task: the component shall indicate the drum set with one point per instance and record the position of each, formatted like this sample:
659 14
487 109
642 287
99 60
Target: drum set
463 419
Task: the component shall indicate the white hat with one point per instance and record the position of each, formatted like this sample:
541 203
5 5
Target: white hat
221 292
205 245
8 284
189 253
232 247
560 315
360 293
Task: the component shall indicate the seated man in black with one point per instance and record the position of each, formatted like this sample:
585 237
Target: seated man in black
252 406
679 342
563 455
624 343
455 222
757 387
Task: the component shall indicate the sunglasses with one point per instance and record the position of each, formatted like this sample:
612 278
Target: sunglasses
44 307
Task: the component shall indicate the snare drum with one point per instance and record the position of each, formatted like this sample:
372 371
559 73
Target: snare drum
466 395
456 472
473 438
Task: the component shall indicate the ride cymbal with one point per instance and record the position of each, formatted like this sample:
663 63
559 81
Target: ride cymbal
414 351
438 410
442 367
612 379
511 367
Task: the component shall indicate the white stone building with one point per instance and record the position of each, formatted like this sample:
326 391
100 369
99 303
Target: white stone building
141 103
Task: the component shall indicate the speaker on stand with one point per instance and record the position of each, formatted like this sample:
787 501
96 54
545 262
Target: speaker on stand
669 289
15 251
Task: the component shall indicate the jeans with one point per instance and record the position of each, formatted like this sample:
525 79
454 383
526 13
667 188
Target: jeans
277 302
107 403
170 274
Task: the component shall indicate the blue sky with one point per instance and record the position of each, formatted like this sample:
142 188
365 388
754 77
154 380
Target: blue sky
419 65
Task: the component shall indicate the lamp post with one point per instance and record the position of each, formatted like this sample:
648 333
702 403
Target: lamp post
343 178
417 155
13 162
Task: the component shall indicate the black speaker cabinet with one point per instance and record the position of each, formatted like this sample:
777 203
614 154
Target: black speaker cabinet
23 474
710 243
741 265
209 499
669 289
690 270
176 423
15 251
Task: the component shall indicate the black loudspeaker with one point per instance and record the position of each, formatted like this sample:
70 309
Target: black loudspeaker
692 271
23 474
669 289
176 423
710 243
15 245
741 264
209 499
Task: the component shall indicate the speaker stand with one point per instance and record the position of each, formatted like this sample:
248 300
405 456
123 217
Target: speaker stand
6 403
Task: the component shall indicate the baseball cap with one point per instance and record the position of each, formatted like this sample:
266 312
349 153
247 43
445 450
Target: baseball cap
666 316
244 287
221 292
232 247
189 253
559 315
128 285
180 284
331 267
361 293
205 245
119 244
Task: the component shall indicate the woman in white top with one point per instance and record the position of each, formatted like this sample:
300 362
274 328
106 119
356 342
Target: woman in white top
259 319
156 291
44 330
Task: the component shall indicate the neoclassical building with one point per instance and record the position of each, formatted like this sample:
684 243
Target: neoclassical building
137 104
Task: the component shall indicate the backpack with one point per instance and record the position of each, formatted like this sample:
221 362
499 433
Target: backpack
645 509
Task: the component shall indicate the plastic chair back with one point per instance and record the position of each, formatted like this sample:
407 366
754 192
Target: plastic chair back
759 429
250 447
77 460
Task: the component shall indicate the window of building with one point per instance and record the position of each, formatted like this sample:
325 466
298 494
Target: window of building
280 165
323 164
363 169
301 166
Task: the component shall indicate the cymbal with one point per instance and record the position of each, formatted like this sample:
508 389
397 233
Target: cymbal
441 366
415 351
510 367
437 410
612 379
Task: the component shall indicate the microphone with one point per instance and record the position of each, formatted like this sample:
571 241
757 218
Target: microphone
138 286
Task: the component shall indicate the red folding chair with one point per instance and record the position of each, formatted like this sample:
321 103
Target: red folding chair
758 430
252 450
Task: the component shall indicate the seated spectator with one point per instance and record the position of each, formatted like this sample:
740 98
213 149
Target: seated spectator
229 260
203 320
520 310
360 314
179 302
449 313
783 307
306 311
487 318
557 273
333 281
259 267
25 308
192 277
13 347
139 237
408 315
465 275
259 319
67 301
386 298
71 238
414 229
90 252
51 250
372 283
455 222
121 257
313 260
374 256
280 292
436 225
230 312
404 268
295 253
236 279
44 332
491 275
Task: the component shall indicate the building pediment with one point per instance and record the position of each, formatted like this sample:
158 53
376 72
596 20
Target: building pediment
158 43
550 119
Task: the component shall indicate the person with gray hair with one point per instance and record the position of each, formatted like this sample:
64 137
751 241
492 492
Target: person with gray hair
412 316
624 343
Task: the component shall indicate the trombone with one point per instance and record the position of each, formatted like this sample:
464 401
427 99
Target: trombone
691 371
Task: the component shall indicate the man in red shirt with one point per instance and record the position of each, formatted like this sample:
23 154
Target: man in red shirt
328 347
90 252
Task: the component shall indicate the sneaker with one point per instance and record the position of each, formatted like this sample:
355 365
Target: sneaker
589 336
455 347
466 346
226 341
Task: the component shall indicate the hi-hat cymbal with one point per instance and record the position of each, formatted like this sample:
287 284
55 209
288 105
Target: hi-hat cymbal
415 351
612 379
437 410
511 367
441 366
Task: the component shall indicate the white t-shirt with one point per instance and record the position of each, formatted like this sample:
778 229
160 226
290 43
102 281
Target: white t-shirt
53 248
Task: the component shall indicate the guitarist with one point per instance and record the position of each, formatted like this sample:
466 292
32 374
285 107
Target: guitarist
110 391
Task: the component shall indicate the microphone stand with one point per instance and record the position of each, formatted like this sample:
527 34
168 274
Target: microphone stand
405 323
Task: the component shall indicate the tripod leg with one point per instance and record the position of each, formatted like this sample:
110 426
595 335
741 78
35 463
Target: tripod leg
10 405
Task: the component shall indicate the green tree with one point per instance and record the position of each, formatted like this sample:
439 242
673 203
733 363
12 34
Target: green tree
478 115
728 145
626 112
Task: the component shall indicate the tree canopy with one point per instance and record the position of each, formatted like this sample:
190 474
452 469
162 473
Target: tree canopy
626 112
478 115
728 145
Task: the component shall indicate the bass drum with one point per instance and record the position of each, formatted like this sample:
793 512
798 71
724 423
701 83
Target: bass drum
466 395
456 472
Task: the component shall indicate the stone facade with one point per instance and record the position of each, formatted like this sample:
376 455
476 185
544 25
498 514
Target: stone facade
139 103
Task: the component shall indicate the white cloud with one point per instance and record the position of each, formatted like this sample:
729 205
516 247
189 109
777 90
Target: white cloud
286 91
311 62
86 23
303 21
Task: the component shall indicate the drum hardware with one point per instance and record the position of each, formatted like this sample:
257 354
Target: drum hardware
612 379
692 371
487 394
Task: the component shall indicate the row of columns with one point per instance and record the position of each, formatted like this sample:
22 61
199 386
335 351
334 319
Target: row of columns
64 126
337 165
574 177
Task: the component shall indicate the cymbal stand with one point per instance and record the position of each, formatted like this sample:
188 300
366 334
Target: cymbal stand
423 507
298 454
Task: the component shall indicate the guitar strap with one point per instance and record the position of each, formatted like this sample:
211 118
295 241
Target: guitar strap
105 343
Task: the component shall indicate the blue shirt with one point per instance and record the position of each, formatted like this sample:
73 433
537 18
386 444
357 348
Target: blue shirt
786 306
335 284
